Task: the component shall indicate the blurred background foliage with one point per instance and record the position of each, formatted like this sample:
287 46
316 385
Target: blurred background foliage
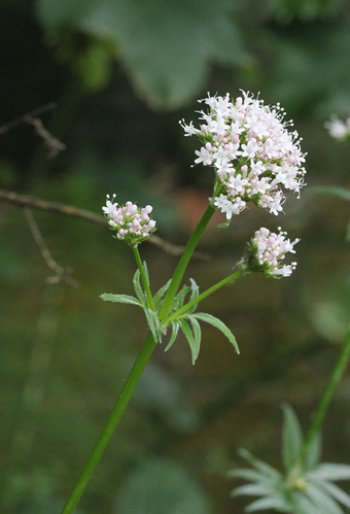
122 74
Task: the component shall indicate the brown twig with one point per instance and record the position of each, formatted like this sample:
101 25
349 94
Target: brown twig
18 121
60 273
25 201
53 145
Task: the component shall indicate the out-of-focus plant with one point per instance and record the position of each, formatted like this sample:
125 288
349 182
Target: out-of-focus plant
306 486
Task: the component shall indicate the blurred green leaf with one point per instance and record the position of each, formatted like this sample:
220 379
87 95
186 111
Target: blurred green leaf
167 47
161 486
292 437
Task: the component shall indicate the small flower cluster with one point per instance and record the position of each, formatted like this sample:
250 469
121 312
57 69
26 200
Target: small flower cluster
268 250
131 223
252 152
338 129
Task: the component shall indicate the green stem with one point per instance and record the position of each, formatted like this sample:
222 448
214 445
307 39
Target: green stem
228 280
143 277
111 425
183 262
322 408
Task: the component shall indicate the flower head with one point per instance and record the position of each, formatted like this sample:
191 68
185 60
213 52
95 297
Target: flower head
254 155
268 251
131 223
338 129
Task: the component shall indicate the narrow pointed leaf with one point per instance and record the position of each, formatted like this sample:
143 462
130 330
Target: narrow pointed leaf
322 500
331 472
179 300
252 475
194 346
292 437
194 294
120 298
260 465
159 295
302 504
152 319
138 288
266 503
175 330
197 333
334 491
145 269
313 454
251 490
217 323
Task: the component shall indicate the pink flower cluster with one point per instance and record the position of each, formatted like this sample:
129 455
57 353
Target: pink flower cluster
131 223
253 154
268 251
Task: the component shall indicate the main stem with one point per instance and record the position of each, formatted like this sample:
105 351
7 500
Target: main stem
327 396
139 365
183 262
111 424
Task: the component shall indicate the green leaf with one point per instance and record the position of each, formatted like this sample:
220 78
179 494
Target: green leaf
153 323
215 322
313 453
159 295
292 438
175 330
251 475
194 294
270 502
264 468
192 341
145 269
322 500
252 490
335 491
163 46
120 298
180 298
138 289
339 192
331 472
303 505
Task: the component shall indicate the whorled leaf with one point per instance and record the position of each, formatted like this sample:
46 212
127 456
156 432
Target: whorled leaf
192 339
220 325
121 298
138 289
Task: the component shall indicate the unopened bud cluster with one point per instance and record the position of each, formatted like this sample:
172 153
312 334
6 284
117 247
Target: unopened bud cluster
253 154
131 223
268 251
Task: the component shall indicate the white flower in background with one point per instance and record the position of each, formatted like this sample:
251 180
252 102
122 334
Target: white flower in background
337 128
131 223
253 154
268 251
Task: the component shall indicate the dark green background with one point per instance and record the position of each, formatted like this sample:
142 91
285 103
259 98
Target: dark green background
122 74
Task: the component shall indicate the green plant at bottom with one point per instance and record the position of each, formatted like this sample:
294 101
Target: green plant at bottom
307 486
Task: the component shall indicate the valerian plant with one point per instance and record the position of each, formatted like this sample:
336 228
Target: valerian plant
255 159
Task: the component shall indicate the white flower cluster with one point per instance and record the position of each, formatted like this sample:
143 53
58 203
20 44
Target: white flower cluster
268 250
131 223
338 129
252 152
